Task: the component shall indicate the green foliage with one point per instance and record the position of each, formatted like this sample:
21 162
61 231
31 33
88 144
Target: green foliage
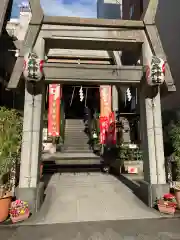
10 139
175 138
128 154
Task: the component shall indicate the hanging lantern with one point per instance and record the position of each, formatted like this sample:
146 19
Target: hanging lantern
155 72
33 67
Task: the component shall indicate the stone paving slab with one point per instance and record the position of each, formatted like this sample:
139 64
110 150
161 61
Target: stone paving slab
145 229
7 232
86 197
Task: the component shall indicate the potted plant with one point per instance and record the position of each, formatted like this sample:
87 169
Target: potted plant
175 139
10 141
19 211
167 204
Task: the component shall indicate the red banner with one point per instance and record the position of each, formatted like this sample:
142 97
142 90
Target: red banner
105 100
105 109
112 129
54 110
104 124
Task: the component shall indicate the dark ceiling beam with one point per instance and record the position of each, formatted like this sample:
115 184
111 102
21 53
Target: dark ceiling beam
88 44
92 74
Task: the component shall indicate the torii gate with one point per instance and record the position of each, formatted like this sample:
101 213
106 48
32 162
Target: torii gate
4 7
141 37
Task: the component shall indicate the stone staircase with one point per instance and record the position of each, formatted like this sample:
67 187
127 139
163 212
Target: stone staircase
76 154
76 140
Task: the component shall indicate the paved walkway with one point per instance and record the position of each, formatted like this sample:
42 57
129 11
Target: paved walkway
146 229
87 197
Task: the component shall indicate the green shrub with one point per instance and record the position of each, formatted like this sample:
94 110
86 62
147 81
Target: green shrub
10 143
175 139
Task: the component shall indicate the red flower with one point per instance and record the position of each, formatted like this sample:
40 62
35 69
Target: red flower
168 196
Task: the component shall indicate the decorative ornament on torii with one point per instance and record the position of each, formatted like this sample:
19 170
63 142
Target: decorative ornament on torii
33 68
155 72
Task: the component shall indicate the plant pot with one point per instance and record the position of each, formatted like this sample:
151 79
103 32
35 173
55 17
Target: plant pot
5 204
163 208
20 218
177 196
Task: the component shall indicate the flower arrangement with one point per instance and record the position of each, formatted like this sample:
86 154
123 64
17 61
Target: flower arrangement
166 204
19 211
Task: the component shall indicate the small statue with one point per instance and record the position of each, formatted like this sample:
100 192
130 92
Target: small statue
125 130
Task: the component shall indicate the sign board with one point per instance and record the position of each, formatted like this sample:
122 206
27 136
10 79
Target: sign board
155 71
105 110
112 129
105 100
54 110
132 170
104 124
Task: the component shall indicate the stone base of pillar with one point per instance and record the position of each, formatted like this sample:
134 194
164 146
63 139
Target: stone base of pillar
143 190
34 196
148 193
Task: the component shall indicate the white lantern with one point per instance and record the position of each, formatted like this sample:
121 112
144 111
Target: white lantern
155 73
33 67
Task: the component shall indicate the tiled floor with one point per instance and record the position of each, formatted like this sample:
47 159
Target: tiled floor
90 197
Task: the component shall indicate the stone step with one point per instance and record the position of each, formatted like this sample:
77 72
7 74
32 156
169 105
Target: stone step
58 155
73 131
81 146
73 162
77 135
75 126
78 126
76 147
77 140
76 168
76 150
54 162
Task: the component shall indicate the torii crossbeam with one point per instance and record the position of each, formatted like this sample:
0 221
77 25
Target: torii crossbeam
82 33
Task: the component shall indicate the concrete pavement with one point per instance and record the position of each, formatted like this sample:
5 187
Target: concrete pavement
144 229
92 207
84 197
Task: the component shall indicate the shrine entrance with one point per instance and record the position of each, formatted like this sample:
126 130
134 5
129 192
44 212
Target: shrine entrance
139 38
77 98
